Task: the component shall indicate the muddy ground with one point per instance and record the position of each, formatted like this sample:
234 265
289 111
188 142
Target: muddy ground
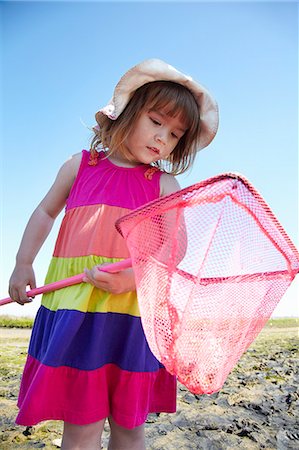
258 407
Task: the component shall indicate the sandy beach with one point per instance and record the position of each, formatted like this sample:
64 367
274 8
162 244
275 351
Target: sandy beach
257 408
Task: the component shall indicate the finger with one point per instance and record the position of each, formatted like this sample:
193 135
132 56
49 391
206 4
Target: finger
112 269
32 284
96 275
103 276
16 298
92 277
26 300
19 295
22 297
23 302
14 295
87 278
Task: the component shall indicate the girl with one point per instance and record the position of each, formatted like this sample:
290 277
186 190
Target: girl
88 357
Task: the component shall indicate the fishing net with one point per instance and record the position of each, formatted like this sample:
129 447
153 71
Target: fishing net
211 262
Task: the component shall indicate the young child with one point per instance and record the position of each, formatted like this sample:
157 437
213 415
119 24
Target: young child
88 357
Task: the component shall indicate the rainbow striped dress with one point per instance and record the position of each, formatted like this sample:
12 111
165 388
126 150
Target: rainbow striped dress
88 357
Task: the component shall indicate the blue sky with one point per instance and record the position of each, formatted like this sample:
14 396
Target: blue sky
61 61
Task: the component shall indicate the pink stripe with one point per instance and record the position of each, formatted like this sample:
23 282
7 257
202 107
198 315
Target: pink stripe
109 184
87 229
82 397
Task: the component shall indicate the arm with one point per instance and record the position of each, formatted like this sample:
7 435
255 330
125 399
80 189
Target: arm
168 184
38 228
172 223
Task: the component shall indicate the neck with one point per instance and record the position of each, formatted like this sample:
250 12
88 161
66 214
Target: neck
120 160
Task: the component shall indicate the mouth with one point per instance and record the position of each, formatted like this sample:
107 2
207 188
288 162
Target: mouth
155 150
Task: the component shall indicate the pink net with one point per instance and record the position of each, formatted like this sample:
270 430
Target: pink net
211 262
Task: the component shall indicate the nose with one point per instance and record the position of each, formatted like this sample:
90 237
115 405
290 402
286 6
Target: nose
161 137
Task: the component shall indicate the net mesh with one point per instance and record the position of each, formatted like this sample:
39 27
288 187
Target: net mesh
211 262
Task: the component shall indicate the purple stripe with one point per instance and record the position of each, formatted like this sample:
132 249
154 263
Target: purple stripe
88 341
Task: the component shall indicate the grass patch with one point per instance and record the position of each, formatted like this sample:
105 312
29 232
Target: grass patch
27 322
284 322
16 322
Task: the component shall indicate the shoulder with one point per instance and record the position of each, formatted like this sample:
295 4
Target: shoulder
71 165
68 172
56 197
74 161
168 184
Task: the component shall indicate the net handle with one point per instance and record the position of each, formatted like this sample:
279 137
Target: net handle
76 279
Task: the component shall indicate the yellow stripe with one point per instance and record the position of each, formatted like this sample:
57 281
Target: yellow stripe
84 297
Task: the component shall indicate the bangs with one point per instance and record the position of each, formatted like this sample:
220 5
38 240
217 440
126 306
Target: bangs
173 100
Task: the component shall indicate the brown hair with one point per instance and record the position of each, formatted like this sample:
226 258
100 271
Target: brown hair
174 100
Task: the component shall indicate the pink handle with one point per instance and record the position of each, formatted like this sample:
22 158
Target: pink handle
117 266
111 268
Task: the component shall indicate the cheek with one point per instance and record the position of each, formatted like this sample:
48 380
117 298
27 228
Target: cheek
172 147
132 137
168 153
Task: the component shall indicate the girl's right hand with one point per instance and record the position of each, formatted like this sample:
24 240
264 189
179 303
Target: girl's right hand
22 276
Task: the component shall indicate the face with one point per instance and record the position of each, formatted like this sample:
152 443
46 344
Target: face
154 137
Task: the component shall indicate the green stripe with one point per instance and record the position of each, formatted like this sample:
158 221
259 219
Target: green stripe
85 297
61 268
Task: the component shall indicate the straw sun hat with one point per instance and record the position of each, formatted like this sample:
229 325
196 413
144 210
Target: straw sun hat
156 70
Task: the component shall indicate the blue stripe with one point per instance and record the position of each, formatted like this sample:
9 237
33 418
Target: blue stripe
88 341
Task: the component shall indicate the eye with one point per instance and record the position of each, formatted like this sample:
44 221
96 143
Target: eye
155 121
174 135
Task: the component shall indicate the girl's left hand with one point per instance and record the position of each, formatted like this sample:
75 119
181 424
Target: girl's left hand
116 283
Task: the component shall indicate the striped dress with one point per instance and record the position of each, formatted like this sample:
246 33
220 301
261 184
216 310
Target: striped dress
88 357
